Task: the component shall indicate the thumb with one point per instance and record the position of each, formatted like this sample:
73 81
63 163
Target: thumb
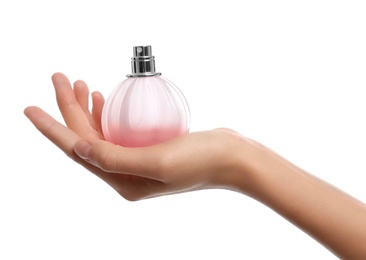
109 157
101 154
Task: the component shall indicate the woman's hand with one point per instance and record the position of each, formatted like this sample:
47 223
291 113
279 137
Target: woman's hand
193 161
219 158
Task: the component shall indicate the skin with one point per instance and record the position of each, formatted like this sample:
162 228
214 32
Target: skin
219 158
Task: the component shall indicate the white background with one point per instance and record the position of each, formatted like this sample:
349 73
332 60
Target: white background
289 74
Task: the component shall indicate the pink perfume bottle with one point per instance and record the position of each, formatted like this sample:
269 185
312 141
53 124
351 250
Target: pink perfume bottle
144 109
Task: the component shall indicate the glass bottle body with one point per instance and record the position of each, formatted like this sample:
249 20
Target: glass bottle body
143 111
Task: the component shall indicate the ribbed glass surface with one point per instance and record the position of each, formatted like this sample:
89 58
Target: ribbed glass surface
143 111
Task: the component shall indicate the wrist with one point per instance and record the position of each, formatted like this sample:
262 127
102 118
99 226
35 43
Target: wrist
240 163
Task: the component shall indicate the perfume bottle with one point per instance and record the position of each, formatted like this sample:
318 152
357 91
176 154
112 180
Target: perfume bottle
144 109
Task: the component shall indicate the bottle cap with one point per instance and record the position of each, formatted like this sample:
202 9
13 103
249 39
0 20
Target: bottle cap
142 62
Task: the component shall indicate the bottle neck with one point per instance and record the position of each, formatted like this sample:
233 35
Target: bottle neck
143 63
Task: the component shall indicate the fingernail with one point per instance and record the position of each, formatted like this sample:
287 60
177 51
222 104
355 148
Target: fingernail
83 149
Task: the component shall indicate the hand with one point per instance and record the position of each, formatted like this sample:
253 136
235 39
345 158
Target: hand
194 161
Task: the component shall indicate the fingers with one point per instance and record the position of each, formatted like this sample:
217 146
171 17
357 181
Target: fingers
98 103
81 91
131 187
57 133
72 112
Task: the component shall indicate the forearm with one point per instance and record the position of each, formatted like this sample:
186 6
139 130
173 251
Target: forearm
335 219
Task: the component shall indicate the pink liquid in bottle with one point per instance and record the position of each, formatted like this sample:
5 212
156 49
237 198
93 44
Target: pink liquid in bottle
143 137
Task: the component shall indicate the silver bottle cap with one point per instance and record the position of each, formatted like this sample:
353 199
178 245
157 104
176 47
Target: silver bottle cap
142 62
